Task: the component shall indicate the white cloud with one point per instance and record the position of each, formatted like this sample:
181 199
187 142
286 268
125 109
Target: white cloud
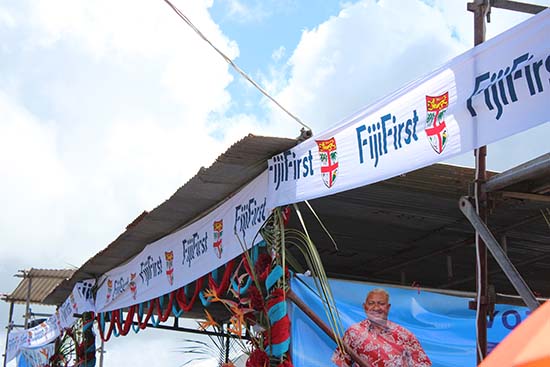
6 19
242 13
368 50
33 181
278 53
109 110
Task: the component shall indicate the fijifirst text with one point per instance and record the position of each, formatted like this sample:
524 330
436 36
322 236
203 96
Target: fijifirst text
375 139
249 215
288 165
505 87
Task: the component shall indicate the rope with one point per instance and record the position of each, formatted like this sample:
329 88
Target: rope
233 65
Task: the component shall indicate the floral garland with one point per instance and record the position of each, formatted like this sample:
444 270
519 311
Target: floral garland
258 301
252 288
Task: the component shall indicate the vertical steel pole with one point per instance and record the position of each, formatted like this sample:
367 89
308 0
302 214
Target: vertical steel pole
101 353
482 275
227 345
480 9
9 327
27 307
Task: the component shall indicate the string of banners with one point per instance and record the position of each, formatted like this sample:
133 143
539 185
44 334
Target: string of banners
79 301
493 91
186 255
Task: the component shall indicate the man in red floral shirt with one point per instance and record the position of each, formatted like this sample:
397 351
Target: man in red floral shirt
380 342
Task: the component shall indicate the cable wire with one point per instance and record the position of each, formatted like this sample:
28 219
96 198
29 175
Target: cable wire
233 65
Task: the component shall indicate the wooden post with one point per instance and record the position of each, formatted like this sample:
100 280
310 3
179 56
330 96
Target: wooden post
321 324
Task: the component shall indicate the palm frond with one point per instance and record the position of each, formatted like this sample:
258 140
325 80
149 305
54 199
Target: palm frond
320 278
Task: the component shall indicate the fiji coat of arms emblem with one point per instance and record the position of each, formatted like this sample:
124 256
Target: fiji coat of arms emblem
169 256
436 128
109 289
218 231
133 285
329 160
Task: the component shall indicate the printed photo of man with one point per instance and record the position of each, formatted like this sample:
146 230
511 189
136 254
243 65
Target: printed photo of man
380 342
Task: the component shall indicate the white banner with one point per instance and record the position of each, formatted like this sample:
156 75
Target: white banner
38 357
497 89
188 254
79 301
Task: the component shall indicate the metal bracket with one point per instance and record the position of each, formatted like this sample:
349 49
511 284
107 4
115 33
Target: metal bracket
498 253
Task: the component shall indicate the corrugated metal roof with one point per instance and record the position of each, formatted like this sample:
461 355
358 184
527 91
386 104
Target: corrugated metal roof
401 230
241 163
42 283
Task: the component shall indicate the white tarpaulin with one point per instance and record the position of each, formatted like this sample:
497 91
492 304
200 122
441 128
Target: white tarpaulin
496 90
79 301
188 254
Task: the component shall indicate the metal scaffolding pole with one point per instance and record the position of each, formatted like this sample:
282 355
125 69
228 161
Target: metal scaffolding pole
28 302
498 253
9 327
481 9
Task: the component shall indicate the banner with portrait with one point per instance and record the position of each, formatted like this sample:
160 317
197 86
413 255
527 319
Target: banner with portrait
444 325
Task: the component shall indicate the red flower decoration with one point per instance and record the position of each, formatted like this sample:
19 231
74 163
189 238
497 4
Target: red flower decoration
276 296
256 298
262 268
258 358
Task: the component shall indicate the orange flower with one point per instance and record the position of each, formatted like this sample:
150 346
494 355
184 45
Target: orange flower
209 321
237 320
211 295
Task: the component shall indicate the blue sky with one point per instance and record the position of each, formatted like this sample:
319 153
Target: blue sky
108 107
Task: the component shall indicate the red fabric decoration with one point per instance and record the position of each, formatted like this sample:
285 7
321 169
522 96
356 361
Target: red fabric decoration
164 315
258 358
256 298
280 331
262 268
276 296
224 284
182 299
111 325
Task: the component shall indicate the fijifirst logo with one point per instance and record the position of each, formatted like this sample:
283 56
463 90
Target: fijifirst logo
501 88
194 247
290 166
378 138
249 214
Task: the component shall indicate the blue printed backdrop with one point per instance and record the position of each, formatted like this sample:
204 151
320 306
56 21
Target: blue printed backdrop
443 324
